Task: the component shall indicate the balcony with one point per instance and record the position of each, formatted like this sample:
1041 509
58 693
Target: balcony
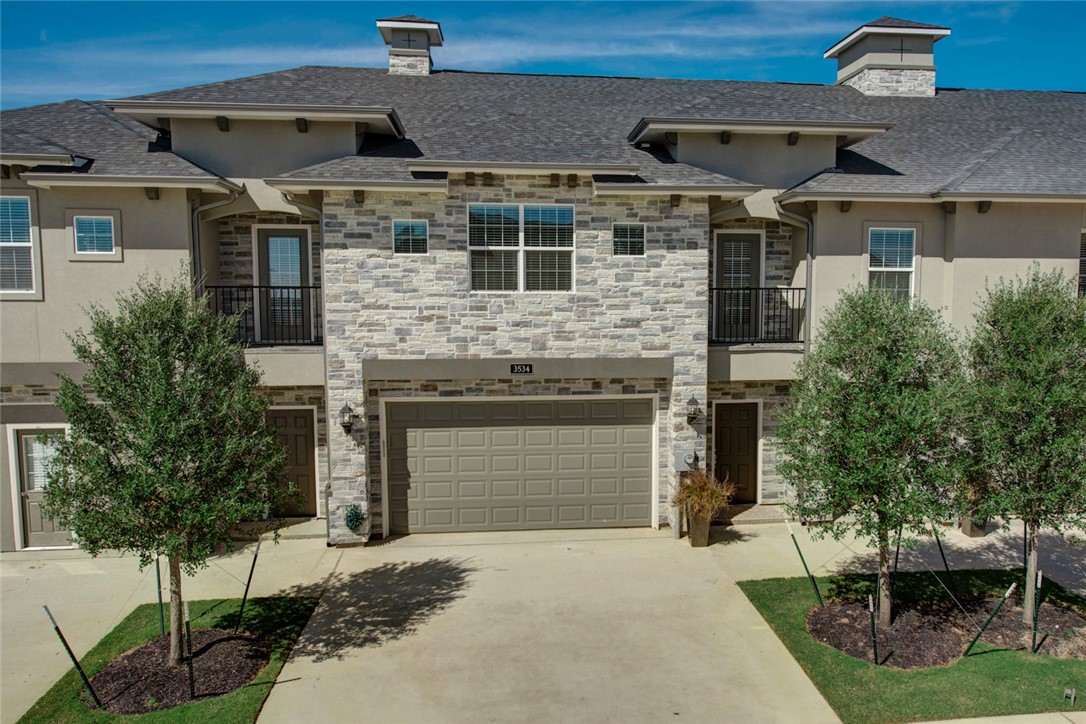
271 315
756 315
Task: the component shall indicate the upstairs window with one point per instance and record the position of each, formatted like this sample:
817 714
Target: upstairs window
515 248
890 262
16 247
628 240
94 235
409 237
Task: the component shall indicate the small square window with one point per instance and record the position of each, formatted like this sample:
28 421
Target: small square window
628 240
94 235
409 237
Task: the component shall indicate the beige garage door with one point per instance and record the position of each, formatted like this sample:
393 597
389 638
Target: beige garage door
462 466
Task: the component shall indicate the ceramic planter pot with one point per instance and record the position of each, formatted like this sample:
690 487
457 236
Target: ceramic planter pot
973 527
698 531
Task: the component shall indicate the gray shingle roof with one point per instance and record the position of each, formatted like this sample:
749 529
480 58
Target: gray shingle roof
117 146
956 141
888 22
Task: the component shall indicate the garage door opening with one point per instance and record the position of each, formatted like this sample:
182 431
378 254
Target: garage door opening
527 464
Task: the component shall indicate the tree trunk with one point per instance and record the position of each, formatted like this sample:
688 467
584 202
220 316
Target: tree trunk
884 579
175 611
1030 591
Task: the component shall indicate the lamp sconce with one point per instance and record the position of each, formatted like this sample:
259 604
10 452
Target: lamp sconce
346 418
693 410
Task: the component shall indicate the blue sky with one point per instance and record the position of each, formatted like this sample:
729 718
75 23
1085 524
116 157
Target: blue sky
57 50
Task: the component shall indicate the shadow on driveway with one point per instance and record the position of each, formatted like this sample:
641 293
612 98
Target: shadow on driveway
371 607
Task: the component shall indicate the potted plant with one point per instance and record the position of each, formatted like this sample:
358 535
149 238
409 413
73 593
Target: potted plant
703 497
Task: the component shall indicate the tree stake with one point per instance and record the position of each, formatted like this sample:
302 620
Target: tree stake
993 615
75 661
803 560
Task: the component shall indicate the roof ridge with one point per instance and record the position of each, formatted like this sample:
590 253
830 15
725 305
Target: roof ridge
982 158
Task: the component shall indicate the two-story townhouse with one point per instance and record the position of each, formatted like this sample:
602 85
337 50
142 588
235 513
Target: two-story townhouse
489 301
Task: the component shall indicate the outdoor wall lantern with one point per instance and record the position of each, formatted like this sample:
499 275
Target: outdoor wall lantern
346 418
693 410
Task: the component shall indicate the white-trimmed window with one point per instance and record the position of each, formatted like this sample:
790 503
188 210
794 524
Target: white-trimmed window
16 245
93 234
628 239
410 237
890 260
514 247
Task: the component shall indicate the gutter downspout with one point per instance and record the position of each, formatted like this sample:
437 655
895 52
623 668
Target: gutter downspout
809 224
319 213
197 266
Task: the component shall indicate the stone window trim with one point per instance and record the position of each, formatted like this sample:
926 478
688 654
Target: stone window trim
914 271
34 292
409 246
522 248
73 253
624 238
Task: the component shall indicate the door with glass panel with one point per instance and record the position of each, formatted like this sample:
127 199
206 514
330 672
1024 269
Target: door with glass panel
283 301
38 529
737 273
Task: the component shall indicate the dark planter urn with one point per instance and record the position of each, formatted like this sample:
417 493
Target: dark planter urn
698 531
973 527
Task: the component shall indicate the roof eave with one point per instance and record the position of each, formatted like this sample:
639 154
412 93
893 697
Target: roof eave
513 167
661 125
209 183
301 185
734 191
37 159
1049 198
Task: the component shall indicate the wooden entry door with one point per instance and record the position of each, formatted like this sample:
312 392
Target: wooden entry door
295 429
38 530
735 448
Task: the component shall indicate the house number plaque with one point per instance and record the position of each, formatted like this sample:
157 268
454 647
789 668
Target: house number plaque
520 369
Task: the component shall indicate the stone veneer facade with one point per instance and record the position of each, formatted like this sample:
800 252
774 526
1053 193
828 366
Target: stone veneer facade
401 62
236 245
893 82
381 306
772 395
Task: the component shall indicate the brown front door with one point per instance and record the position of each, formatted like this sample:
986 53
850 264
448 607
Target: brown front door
735 448
295 428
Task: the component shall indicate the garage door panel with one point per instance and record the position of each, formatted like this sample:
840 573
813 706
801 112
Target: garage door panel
482 465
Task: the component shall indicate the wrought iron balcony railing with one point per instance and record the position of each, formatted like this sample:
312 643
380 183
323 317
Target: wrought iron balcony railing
758 314
271 315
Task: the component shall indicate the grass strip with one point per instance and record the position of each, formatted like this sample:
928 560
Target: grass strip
278 619
990 682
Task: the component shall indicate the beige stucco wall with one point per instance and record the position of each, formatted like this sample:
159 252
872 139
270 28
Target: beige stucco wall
259 149
883 51
154 236
957 253
764 159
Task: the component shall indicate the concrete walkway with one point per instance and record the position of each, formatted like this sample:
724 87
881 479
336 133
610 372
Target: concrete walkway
625 625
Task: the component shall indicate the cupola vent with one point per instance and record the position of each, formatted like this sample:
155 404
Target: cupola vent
889 57
409 39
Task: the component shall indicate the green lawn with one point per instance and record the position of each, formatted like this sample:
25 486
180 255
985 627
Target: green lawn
279 619
989 682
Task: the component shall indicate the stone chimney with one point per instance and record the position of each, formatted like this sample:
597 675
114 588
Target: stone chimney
889 57
409 39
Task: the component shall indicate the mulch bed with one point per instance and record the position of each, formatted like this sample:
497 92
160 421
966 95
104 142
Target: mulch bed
927 636
142 679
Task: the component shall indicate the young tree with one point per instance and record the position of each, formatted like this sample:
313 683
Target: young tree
168 445
1025 409
868 431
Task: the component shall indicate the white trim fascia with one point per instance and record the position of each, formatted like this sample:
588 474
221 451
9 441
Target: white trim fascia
643 189
37 159
505 167
433 30
261 111
316 450
654 508
14 458
1024 198
302 185
791 198
255 235
856 35
739 125
48 180
758 478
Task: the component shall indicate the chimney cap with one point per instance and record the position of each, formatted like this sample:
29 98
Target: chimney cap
887 25
410 22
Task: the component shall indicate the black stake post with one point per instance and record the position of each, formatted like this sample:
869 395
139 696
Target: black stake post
939 542
188 644
897 554
993 615
75 661
161 615
804 561
1036 612
874 637
245 596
